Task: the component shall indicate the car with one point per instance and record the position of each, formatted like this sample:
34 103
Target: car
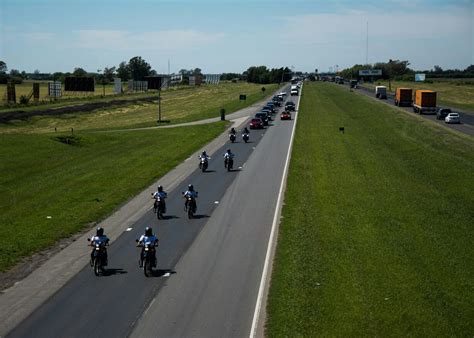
294 92
268 112
290 106
256 124
262 116
452 118
272 109
286 115
442 113
283 94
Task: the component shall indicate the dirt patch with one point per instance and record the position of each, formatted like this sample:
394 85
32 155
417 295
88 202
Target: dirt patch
82 108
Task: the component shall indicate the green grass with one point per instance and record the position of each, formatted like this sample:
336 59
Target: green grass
177 106
457 94
377 230
79 183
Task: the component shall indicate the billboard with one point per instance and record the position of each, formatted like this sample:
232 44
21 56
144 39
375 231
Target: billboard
137 86
117 85
154 82
212 78
420 77
79 84
54 89
370 72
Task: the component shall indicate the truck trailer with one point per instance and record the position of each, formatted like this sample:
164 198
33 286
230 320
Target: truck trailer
403 97
425 102
381 92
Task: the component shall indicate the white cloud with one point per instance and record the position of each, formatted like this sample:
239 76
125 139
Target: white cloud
171 40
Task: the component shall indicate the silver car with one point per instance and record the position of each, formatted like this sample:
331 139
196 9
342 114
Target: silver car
452 118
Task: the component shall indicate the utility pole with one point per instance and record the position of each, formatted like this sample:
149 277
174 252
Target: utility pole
367 46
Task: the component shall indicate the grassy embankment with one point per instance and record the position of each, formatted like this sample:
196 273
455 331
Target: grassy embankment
177 106
451 93
81 183
376 237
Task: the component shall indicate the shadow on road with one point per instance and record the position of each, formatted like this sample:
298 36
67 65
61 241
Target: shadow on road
113 271
166 217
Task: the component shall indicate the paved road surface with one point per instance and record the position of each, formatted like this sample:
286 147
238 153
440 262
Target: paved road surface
209 268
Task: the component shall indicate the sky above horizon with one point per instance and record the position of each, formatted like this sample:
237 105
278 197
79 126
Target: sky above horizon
221 36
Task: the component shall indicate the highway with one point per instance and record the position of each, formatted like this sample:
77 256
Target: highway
209 268
467 118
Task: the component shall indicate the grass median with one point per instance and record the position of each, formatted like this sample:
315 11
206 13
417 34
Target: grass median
376 237
79 180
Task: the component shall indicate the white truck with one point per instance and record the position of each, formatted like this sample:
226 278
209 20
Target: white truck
294 90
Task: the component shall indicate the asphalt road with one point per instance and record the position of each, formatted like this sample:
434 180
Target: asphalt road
467 118
209 268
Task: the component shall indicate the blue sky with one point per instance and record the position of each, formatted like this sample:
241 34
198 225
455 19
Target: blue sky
230 36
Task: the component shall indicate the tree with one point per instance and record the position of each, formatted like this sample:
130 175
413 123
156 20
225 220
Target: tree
3 67
123 71
197 71
109 73
437 69
79 72
15 72
139 68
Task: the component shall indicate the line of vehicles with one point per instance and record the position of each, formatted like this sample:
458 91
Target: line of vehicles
148 242
267 113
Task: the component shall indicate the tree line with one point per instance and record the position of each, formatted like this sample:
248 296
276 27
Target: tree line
399 70
137 69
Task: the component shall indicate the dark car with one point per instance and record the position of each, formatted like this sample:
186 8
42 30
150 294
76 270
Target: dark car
268 112
290 106
262 116
256 124
442 113
272 109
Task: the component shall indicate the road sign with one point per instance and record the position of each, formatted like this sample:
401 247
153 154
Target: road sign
370 72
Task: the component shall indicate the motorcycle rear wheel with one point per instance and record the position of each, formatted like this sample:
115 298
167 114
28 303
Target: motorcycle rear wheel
147 270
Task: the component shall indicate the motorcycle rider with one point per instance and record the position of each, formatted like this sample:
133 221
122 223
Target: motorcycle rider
232 134
162 195
245 131
228 156
190 193
146 238
203 156
99 238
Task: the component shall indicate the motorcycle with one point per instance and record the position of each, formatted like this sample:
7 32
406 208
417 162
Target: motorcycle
98 256
159 207
245 137
228 163
190 206
232 137
148 257
203 164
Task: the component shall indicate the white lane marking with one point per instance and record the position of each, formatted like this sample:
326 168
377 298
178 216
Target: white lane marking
186 160
129 229
263 281
240 167
167 274
216 202
253 148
